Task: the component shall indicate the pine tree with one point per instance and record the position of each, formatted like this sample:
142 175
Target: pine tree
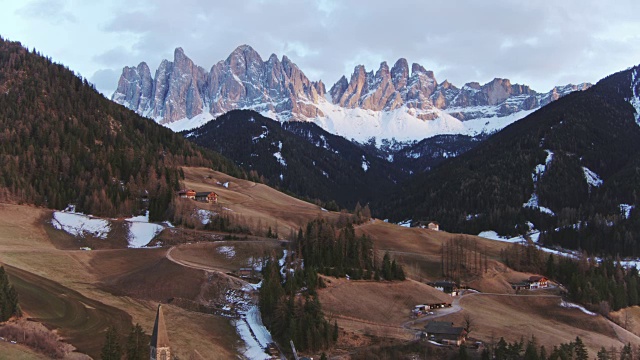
111 349
603 354
386 267
335 331
626 353
137 344
580 350
8 298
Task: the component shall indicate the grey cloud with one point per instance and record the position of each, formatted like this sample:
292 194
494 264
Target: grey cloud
116 56
548 43
53 11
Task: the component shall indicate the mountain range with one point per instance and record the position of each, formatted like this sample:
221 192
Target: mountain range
401 102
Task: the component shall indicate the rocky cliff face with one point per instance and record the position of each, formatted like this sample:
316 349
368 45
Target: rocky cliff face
182 90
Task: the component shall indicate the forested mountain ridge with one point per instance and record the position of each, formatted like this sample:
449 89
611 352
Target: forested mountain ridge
299 158
62 142
571 168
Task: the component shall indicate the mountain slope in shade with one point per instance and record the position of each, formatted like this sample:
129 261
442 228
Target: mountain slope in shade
398 102
299 157
569 169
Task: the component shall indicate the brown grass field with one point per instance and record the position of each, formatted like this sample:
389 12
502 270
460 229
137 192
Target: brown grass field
375 308
51 274
81 283
255 203
10 351
210 255
516 317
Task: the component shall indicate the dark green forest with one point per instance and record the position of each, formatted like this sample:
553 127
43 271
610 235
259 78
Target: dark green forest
486 187
62 142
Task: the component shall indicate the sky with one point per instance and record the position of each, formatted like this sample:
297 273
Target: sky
538 43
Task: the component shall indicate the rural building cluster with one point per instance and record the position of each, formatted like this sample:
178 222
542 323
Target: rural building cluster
532 283
202 196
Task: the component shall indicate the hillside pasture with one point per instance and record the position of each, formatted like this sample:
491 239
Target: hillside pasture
515 317
258 205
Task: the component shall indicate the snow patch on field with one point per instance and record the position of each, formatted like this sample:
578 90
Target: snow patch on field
565 304
228 251
205 216
80 224
141 231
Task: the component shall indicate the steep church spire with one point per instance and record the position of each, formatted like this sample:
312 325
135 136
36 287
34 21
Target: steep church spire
159 345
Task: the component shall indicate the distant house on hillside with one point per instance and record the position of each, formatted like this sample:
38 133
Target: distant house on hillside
524 285
434 226
447 287
206 196
445 333
538 282
187 194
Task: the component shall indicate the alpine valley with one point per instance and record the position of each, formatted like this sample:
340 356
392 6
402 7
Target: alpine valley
247 212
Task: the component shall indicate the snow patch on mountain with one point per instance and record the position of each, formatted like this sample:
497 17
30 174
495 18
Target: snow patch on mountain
538 171
265 132
365 164
625 210
635 99
592 178
280 159
189 124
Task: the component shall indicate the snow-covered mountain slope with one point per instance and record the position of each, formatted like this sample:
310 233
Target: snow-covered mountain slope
402 103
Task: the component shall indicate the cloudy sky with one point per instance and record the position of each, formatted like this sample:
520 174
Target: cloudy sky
539 43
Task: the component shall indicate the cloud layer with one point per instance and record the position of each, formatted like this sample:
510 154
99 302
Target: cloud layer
538 43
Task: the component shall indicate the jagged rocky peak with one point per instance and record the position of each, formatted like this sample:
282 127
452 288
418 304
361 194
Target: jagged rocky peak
338 89
135 87
182 90
400 73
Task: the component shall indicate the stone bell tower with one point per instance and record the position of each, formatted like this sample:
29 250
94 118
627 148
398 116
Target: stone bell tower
159 346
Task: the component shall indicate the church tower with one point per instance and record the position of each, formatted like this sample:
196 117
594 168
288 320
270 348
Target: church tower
159 346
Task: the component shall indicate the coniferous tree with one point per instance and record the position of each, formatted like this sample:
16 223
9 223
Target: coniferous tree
137 344
111 349
8 298
580 349
603 354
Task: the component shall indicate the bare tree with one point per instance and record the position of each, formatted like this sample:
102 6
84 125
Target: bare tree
469 323
628 320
